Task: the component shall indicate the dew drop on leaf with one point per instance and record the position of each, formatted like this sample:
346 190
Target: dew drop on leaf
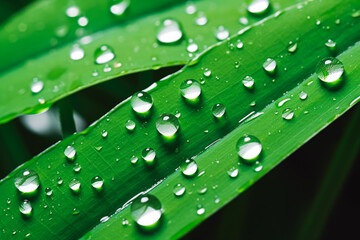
233 172
218 110
258 7
179 190
288 114
200 210
248 82
48 191
148 154
146 210
97 183
169 32
190 89
77 53
104 54
134 159
222 33
75 185
25 208
167 125
292 47
303 95
118 7
201 20
141 102
269 65
329 71
70 153
189 168
72 11
192 47
330 44
130 125
27 181
249 148
36 85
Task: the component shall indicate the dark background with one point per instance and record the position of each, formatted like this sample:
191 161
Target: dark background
272 209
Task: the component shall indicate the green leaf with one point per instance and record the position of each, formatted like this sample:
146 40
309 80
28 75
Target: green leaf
133 40
109 157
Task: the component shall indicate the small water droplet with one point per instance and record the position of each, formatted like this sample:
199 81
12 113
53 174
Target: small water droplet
258 167
97 183
104 219
248 82
218 110
282 102
141 102
179 190
77 168
104 134
70 153
249 148
190 89
104 54
134 159
146 211
72 11
75 185
75 211
288 114
303 95
269 65
83 21
244 20
190 8
27 181
222 33
148 154
36 85
330 71
118 7
189 168
201 20
258 7
25 208
167 124
330 44
169 32
59 181
207 73
200 210
292 47
202 191
77 53
356 14
239 44
48 191
233 172
192 47
130 125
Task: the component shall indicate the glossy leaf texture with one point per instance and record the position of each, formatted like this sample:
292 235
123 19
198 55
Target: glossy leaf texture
67 63
106 148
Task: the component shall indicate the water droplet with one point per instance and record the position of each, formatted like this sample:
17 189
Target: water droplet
303 95
222 33
83 21
59 181
190 8
104 219
141 102
292 47
202 191
200 210
119 7
70 152
190 89
169 32
104 134
167 124
72 11
179 190
258 7
330 71
233 172
207 73
77 53
77 168
48 191
146 211
25 208
249 148
75 211
248 82
130 125
36 85
104 54
192 47
218 110
244 20
201 20
257 166
330 44
269 65
356 14
97 183
134 159
75 185
282 102
27 181
288 114
239 44
148 154
189 168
